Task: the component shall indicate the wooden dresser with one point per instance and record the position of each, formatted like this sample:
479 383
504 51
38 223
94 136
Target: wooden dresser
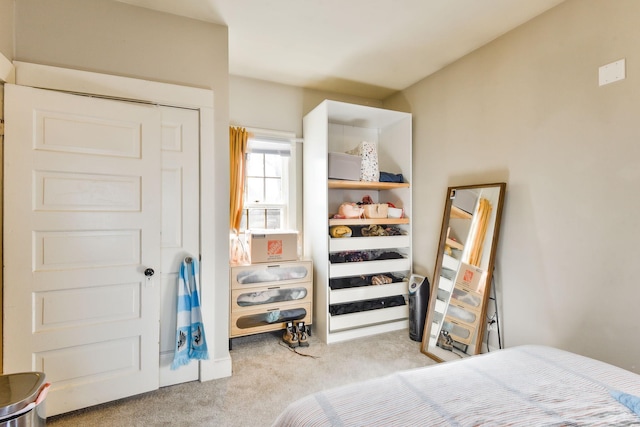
264 297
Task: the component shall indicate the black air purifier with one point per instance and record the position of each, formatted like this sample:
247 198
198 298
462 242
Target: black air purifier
418 305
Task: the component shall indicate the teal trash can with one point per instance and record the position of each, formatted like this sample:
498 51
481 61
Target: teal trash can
22 399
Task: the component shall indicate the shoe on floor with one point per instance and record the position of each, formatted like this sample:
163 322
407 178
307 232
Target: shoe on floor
290 335
303 336
445 341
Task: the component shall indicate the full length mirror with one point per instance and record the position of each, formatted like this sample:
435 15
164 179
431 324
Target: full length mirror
460 290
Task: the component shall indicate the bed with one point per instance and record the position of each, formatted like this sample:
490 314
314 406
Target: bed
520 386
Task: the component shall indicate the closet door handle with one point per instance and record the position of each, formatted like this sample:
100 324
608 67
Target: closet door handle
149 272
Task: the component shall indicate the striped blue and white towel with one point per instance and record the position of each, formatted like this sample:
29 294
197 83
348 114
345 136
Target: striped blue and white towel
190 337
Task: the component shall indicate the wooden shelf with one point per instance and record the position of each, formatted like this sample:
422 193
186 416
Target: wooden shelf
365 185
459 213
368 221
454 244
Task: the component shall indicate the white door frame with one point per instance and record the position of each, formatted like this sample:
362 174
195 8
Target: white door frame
217 323
7 75
7 71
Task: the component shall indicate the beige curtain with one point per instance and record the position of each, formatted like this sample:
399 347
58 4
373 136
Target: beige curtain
479 232
237 150
237 157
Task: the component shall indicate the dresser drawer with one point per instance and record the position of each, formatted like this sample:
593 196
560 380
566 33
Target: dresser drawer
252 299
261 275
256 321
462 314
364 318
458 331
466 298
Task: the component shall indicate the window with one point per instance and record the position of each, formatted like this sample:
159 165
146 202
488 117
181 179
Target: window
269 184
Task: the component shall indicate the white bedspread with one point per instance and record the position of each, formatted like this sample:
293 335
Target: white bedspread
520 386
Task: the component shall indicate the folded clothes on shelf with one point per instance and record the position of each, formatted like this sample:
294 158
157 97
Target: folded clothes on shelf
391 177
366 305
358 256
368 280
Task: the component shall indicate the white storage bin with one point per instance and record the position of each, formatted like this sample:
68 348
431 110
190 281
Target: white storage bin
344 166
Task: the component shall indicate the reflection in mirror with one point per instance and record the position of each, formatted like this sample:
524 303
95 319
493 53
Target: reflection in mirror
454 327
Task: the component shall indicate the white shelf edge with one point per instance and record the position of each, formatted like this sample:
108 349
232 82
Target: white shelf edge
349 334
445 284
370 317
339 296
347 269
450 262
441 306
368 243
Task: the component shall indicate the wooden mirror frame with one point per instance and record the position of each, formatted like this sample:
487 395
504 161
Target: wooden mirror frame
478 336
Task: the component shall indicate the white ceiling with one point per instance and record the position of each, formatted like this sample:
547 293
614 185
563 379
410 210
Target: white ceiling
370 48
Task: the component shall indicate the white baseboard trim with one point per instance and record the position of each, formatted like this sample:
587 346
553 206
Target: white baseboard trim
184 374
215 369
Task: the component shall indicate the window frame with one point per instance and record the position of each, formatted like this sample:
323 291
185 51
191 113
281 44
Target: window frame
289 179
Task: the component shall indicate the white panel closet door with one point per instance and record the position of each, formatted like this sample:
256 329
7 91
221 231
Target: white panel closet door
82 203
180 225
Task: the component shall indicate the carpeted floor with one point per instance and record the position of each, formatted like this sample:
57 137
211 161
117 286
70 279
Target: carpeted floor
267 376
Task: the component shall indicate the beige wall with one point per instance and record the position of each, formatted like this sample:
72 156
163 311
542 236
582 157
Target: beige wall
267 105
527 109
115 38
6 28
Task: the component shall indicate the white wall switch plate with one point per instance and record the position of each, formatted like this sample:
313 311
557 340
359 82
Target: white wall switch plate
612 72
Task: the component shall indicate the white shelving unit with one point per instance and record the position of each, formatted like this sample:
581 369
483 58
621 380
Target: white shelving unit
338 127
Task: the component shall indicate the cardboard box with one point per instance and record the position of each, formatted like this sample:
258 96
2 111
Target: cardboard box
344 166
269 246
471 277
